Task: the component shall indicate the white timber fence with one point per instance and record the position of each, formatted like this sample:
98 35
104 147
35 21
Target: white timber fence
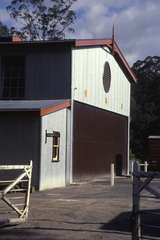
15 193
141 181
143 166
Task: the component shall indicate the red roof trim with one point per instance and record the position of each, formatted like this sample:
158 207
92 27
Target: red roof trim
124 61
55 108
92 42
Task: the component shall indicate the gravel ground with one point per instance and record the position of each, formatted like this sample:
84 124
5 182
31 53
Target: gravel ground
86 211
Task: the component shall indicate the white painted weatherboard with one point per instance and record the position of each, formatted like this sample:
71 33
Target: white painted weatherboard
87 80
52 174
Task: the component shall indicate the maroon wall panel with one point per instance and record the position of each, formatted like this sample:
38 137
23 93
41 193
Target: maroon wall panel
154 154
99 136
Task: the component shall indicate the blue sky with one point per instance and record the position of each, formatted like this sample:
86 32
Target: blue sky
136 22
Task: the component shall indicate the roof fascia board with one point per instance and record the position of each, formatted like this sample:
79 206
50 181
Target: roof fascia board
55 108
125 63
92 42
41 111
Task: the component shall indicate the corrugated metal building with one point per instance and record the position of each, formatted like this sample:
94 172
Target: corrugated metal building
65 105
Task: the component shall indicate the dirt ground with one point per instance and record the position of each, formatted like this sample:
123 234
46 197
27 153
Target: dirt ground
86 211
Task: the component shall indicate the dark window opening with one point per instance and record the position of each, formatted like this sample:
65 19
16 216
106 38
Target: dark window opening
56 147
12 77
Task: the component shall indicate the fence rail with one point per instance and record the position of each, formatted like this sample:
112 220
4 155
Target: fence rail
138 186
14 190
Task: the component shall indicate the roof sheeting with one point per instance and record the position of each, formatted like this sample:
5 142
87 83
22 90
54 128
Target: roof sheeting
44 107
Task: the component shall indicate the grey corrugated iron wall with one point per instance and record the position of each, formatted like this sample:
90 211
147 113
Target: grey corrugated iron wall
47 71
48 75
53 174
19 140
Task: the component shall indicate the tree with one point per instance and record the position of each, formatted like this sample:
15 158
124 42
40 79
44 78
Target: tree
4 31
41 19
145 105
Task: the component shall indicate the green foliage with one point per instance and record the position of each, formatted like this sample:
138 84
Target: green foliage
4 31
145 107
41 19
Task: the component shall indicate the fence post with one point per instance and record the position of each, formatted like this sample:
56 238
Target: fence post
29 188
112 174
136 226
132 164
145 166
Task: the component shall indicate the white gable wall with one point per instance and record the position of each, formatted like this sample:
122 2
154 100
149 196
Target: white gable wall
87 80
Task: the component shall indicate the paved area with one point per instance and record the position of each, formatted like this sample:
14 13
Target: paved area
87 211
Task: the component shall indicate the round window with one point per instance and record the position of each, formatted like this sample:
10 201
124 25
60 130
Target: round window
106 77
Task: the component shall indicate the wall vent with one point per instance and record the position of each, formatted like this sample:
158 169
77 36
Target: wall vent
106 77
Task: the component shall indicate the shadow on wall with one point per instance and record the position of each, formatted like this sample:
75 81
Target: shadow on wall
119 165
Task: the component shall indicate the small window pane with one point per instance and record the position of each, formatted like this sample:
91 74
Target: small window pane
56 147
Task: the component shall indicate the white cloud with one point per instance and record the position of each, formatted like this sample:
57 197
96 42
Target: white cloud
4 16
136 24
